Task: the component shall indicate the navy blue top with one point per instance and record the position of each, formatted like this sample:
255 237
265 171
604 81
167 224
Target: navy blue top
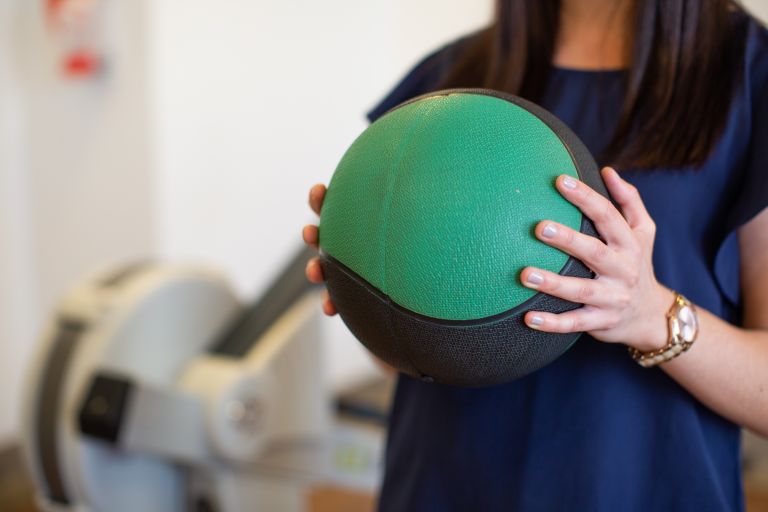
594 431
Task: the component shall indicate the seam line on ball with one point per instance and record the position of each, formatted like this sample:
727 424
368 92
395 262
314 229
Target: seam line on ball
389 192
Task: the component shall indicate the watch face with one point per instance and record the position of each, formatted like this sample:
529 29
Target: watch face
688 323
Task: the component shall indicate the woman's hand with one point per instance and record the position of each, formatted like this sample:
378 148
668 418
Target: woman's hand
624 303
311 236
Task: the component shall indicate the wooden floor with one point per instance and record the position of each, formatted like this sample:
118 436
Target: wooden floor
15 488
16 491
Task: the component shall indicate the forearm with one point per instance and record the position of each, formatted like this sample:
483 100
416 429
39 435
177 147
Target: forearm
727 370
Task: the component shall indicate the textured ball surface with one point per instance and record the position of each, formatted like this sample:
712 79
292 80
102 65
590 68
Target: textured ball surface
429 220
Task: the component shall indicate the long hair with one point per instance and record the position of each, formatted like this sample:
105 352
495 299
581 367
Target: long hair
684 69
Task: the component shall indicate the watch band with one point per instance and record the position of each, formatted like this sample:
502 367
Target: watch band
683 328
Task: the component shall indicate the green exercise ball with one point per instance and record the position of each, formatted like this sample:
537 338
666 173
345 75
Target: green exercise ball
428 221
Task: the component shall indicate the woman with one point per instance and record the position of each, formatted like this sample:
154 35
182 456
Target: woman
675 94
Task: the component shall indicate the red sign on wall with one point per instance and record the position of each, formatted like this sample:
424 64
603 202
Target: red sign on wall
77 26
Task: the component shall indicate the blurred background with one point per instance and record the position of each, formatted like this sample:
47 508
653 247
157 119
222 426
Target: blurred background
184 131
196 137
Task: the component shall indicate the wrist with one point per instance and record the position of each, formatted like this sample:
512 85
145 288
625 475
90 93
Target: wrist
655 335
683 327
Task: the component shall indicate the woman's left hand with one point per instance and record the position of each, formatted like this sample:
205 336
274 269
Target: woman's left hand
624 303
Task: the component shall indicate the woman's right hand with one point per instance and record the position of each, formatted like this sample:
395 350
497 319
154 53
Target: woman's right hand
311 236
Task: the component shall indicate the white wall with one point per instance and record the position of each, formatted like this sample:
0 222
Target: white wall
74 163
17 277
88 153
758 7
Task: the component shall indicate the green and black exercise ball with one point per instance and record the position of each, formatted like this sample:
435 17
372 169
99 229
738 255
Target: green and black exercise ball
428 221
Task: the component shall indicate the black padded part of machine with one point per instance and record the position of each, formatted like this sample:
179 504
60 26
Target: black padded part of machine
240 337
105 407
48 408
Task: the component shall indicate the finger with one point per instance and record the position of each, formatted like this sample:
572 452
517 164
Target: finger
314 271
628 198
328 307
316 197
593 252
311 235
578 320
607 219
574 289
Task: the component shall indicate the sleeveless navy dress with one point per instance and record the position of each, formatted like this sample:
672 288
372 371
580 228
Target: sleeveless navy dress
594 431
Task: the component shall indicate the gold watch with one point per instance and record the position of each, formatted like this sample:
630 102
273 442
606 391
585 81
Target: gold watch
683 327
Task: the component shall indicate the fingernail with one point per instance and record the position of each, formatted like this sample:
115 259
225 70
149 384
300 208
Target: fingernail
569 183
536 320
549 231
535 278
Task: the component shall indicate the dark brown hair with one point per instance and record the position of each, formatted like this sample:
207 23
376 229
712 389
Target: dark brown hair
685 66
